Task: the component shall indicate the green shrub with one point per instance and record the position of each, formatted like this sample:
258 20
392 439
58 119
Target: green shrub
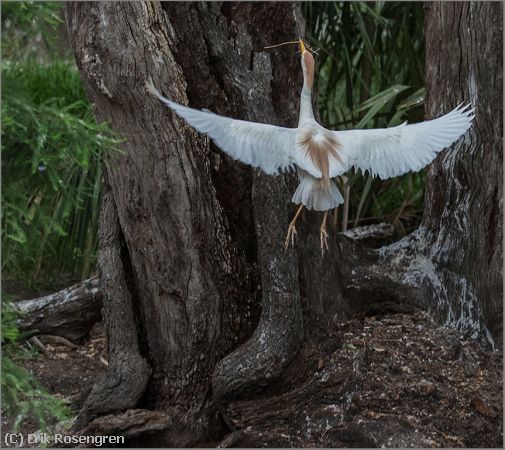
51 183
22 395
51 174
29 29
51 152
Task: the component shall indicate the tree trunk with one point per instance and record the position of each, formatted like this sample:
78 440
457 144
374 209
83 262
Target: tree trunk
203 306
462 225
452 265
189 254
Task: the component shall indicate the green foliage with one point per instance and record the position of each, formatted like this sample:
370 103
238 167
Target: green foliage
370 75
51 182
22 395
51 151
50 173
28 29
10 331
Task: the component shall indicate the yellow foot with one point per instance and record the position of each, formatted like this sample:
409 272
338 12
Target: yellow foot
290 237
324 241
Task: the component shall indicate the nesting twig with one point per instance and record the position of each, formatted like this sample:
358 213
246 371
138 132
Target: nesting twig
309 48
283 43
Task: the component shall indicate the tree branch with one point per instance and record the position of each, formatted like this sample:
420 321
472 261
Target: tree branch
69 313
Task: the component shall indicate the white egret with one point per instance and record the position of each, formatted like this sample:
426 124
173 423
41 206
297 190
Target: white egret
320 154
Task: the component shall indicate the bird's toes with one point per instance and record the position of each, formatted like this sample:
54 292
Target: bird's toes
324 241
290 237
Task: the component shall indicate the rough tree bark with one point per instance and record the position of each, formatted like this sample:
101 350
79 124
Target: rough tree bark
192 243
464 200
452 264
70 313
188 269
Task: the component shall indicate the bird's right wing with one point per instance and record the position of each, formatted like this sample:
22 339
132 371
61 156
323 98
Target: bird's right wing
268 147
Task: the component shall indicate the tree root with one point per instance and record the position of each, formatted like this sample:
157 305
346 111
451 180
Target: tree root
279 334
128 372
131 423
379 279
370 233
374 383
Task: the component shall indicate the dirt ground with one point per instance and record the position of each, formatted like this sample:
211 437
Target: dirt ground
428 379
400 375
66 372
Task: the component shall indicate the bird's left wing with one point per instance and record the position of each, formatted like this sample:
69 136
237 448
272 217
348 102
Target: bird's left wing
390 152
260 145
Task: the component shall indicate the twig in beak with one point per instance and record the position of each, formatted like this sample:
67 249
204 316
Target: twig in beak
284 43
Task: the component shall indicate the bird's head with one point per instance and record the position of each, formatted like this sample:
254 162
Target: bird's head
307 62
307 66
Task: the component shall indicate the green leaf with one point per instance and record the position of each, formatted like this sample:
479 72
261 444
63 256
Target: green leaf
364 196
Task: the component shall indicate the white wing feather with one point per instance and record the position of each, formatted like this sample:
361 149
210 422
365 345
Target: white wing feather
268 147
390 152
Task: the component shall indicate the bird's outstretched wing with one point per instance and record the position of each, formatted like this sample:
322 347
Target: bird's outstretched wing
390 152
268 147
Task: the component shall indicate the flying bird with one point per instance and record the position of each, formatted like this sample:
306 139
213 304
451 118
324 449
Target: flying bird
320 154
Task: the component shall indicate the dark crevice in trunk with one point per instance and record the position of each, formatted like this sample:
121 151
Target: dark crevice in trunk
128 372
140 324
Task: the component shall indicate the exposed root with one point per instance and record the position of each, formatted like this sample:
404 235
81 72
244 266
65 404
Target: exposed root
128 372
131 423
276 340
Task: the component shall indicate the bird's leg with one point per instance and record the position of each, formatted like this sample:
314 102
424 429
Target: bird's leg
324 234
291 229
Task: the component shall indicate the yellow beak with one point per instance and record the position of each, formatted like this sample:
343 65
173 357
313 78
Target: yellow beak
302 47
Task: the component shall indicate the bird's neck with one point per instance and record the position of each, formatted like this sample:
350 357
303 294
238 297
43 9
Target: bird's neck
306 112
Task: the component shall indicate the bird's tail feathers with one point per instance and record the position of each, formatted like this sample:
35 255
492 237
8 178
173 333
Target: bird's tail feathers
317 194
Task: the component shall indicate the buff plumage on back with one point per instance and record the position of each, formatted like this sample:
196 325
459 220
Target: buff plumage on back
320 148
326 154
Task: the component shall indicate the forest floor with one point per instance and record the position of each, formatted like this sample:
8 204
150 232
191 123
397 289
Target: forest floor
66 372
396 380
